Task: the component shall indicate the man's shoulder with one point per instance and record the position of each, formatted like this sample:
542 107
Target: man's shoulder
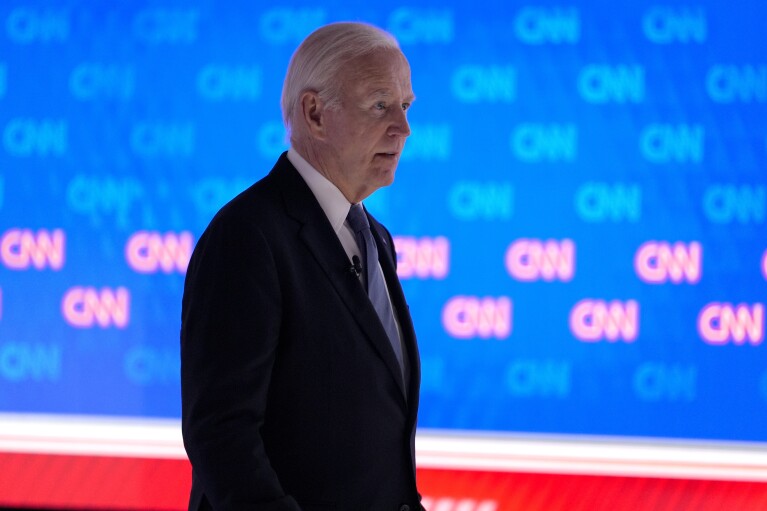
263 195
259 204
248 205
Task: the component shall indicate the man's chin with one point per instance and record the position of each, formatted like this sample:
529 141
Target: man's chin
386 176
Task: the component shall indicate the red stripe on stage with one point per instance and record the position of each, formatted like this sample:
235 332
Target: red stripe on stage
93 482
100 482
452 490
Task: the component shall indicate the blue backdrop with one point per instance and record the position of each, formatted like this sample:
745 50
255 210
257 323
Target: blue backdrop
579 213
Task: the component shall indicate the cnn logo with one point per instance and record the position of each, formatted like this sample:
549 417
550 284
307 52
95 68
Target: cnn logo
658 262
725 323
764 265
530 260
465 317
21 249
87 307
596 320
151 252
422 257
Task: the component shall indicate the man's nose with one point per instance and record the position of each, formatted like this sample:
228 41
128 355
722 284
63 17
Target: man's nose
399 125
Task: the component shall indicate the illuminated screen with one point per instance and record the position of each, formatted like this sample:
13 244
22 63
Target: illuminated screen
579 214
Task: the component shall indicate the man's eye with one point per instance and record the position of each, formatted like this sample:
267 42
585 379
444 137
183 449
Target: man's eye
405 106
380 106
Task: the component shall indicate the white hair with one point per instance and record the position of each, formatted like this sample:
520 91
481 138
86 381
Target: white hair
317 62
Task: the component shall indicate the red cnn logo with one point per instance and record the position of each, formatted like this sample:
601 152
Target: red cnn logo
86 307
594 320
21 249
657 262
722 323
764 265
530 259
150 252
465 317
422 258
456 504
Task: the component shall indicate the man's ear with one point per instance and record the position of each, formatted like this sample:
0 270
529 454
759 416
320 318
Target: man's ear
313 113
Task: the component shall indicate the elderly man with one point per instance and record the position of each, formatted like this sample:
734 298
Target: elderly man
299 366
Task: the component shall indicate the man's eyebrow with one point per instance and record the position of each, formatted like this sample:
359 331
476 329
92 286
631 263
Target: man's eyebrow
379 93
385 93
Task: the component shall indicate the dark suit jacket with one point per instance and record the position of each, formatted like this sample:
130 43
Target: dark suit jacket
292 397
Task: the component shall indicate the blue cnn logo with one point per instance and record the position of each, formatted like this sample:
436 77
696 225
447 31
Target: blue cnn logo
29 137
428 26
612 84
666 25
428 142
30 362
603 202
271 139
665 143
208 195
492 84
218 83
160 139
737 84
151 366
745 204
539 378
97 197
281 25
545 142
476 200
168 26
107 81
25 26
655 382
538 25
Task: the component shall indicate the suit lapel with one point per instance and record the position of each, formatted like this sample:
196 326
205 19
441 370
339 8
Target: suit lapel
386 256
322 242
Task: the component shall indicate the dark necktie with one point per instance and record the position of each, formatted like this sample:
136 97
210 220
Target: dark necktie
376 287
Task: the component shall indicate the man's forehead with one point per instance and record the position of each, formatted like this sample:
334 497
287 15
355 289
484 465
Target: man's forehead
379 79
374 92
381 64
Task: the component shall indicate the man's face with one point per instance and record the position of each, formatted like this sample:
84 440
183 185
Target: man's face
365 135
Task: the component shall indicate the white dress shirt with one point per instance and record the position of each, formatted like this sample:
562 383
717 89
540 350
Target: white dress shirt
332 201
336 208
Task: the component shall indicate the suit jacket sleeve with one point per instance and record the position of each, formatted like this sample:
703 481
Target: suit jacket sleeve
229 333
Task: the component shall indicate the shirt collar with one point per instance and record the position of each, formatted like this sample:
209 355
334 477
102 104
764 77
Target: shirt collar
332 201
